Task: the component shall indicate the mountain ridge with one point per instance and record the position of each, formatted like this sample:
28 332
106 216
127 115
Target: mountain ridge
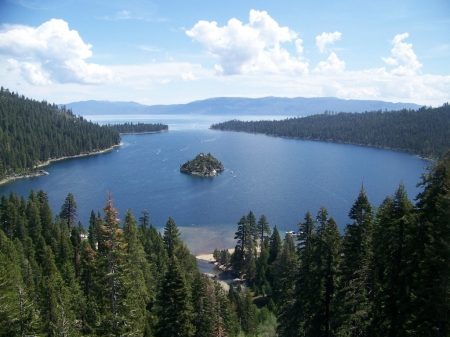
283 106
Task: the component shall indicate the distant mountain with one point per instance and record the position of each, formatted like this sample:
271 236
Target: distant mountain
298 106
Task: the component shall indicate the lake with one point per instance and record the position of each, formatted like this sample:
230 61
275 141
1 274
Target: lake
281 178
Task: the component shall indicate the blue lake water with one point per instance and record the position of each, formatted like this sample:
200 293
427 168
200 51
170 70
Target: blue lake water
281 178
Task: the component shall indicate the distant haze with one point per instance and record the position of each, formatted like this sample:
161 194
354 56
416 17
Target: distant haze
298 106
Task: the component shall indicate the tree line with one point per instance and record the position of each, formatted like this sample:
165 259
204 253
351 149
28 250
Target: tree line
387 275
33 132
425 132
139 127
115 278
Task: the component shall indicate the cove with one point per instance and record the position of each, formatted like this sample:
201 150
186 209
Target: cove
281 178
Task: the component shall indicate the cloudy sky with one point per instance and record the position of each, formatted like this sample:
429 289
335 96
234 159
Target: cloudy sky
167 52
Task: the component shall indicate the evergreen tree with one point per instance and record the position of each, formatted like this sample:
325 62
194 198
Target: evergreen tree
243 235
328 263
171 237
69 211
93 231
117 314
263 228
253 226
274 245
139 273
356 283
45 216
202 302
431 254
175 312
392 302
17 316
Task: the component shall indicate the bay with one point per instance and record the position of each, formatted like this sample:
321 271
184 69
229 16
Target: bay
281 178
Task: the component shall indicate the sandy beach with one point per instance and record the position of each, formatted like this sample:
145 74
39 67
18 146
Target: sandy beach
209 257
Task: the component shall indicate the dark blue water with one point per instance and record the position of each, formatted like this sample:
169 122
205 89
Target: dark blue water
281 178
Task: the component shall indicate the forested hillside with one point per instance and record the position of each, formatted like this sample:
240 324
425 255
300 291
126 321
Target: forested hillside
118 278
425 132
33 132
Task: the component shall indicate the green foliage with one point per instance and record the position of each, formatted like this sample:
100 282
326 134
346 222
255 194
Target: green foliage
175 311
139 127
33 132
202 165
425 132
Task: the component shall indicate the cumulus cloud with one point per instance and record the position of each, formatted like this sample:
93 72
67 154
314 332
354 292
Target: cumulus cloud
189 76
327 38
51 53
403 53
331 66
253 47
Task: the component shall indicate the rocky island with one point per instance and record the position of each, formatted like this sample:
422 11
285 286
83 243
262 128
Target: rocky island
204 165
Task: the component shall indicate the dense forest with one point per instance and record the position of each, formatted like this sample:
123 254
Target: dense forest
33 132
139 127
117 278
387 275
425 132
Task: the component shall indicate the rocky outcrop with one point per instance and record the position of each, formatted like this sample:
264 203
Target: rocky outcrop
204 165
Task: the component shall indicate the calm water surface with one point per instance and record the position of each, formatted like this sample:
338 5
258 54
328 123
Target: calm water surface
281 178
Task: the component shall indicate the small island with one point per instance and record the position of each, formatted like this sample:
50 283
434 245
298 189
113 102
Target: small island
204 165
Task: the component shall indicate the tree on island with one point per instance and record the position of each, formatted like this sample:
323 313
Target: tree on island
203 165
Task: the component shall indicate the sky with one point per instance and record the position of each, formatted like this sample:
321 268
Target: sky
172 52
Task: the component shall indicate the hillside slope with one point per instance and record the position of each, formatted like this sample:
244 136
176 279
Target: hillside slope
33 132
425 132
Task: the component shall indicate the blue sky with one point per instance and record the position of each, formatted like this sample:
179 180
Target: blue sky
168 52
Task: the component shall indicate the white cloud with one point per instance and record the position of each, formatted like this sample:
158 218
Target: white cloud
30 72
403 52
390 61
188 76
327 38
331 66
51 53
251 48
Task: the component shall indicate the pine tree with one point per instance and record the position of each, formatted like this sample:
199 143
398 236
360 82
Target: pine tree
356 278
253 226
171 237
243 235
93 231
17 316
142 283
431 259
296 313
391 300
69 211
263 229
274 245
175 312
116 312
202 303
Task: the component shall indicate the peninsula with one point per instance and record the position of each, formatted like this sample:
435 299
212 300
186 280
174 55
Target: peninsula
204 165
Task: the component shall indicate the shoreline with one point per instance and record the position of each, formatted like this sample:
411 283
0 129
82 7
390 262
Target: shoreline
208 257
141 133
428 158
48 162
